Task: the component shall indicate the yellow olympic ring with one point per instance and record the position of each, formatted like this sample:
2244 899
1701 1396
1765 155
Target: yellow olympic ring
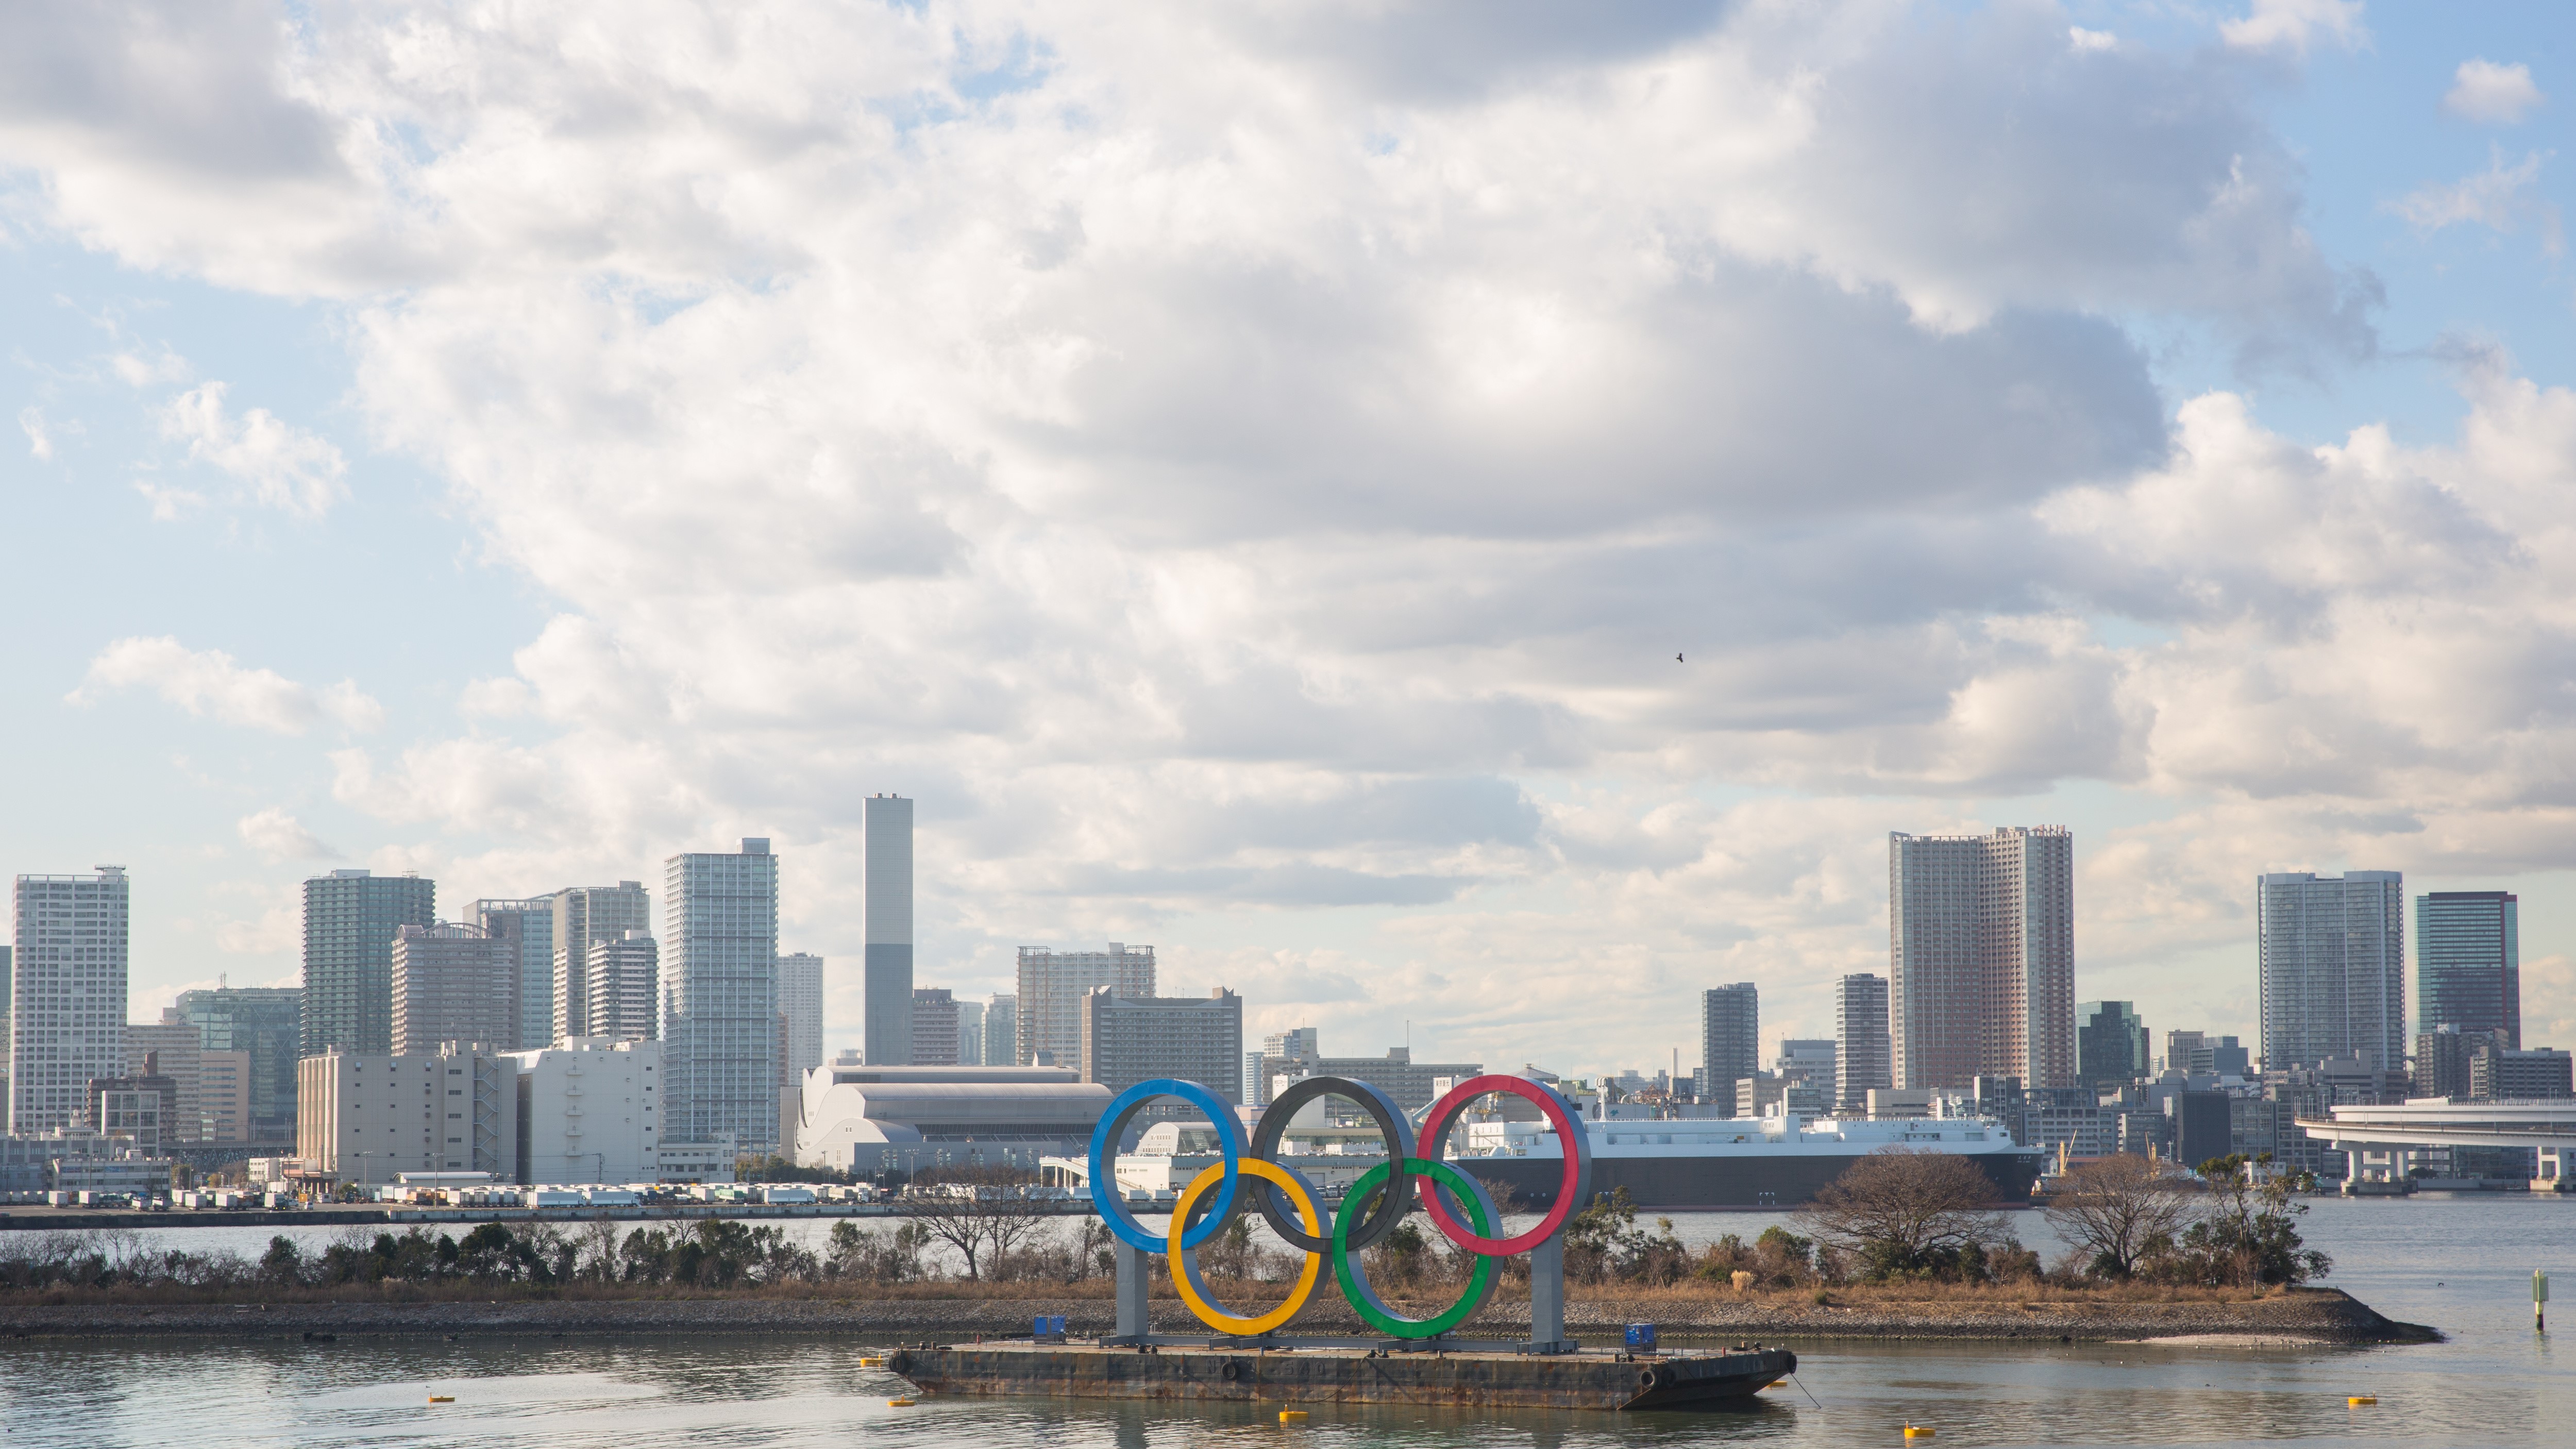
1185 1262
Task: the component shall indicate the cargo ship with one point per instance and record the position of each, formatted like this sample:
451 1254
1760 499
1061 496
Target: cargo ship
1765 1162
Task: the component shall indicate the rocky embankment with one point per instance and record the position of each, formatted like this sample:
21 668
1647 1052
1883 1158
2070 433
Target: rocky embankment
2308 1315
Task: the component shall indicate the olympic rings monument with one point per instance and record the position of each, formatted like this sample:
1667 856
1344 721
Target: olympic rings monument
1245 1355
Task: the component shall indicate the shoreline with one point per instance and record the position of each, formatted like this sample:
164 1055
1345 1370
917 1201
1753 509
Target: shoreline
2307 1317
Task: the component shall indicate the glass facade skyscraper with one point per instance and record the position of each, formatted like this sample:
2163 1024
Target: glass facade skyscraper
2110 1043
1730 1039
2468 963
2331 952
720 997
350 917
266 1024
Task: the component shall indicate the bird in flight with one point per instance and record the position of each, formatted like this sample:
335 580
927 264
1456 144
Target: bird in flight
1677 659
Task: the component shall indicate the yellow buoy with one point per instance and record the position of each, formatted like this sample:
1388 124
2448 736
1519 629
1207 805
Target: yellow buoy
1917 1431
1292 1416
872 1363
2359 1399
442 1398
899 1403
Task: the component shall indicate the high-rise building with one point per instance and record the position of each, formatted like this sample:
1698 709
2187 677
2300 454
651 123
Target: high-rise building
934 1027
800 1000
1412 1085
2111 1045
528 926
2442 1062
1289 1052
350 917
584 916
970 1033
1131 1039
1981 948
266 1025
67 1008
2332 961
452 983
2181 1047
1001 1030
720 997
1052 987
169 1048
1730 1039
624 979
2468 963
886 975
1863 1056
223 1096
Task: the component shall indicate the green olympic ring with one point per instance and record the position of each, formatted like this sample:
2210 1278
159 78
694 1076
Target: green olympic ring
1354 1278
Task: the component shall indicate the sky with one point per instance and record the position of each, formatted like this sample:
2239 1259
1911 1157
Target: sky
1464 523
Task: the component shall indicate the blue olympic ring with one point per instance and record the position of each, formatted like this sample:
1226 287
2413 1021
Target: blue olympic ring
1104 1148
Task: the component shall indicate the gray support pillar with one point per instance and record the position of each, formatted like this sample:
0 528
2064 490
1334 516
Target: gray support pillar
1133 1281
1547 1293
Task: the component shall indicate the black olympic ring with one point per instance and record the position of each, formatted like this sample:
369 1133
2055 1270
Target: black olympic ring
1392 1125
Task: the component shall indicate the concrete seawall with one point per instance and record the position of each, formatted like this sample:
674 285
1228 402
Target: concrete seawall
2308 1315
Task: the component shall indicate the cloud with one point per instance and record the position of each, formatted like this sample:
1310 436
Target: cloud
1249 474
2492 94
277 836
208 682
40 443
2495 198
2293 25
137 370
284 466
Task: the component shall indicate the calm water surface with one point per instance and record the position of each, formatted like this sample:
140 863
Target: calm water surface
2461 1264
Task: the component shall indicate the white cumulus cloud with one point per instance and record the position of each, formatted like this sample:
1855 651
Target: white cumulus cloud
40 440
2295 25
209 682
2496 95
283 466
279 836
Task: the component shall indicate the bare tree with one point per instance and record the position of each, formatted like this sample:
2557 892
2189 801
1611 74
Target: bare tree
1900 1211
985 1213
2119 1210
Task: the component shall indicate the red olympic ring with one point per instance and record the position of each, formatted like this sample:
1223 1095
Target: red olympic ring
1432 1141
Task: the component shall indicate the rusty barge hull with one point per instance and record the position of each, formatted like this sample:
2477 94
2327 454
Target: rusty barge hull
1466 1379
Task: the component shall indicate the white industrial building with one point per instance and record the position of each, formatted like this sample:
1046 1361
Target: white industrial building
588 1110
860 1118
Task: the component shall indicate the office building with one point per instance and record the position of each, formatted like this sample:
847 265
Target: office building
886 972
1803 1058
624 979
223 1096
366 1117
2468 963
1130 1039
1730 1039
137 1112
452 983
1412 1085
1981 951
2203 1127
2181 1047
2505 1074
1864 1057
589 1110
2111 1045
869 1119
1283 1053
2441 1062
2224 1056
67 1005
527 930
720 988
1001 1030
970 1033
2331 954
1053 986
266 1025
350 917
169 1048
800 1000
934 1028
583 916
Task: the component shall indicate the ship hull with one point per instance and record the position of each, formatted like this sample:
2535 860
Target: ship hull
1743 1180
